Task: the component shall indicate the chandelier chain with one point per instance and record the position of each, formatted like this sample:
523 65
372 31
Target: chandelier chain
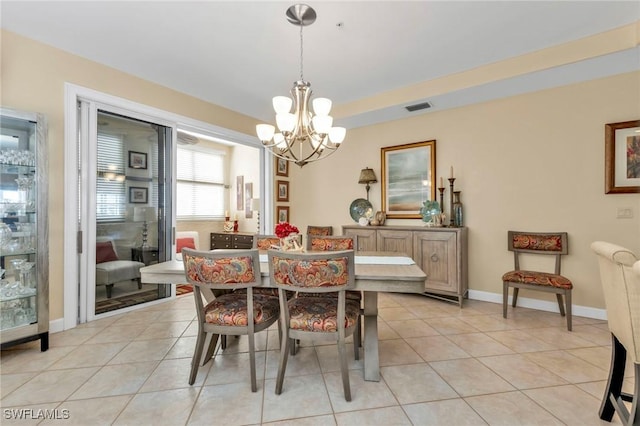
301 47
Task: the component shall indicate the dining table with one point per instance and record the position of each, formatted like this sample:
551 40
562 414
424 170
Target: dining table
375 272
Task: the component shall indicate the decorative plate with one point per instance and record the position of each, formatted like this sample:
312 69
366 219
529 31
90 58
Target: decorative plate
360 208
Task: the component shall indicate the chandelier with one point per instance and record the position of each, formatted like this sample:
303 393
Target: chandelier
302 136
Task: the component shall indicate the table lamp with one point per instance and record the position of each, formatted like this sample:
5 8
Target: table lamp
367 176
144 215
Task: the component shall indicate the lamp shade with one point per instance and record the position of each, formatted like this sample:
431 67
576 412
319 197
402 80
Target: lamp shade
145 214
367 175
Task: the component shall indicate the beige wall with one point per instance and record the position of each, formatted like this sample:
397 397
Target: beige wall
32 79
529 162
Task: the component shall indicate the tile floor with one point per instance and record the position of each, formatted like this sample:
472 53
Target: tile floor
440 365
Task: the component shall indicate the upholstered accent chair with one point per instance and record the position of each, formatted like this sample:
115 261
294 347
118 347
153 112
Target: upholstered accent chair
111 268
188 239
323 317
538 243
330 243
319 230
620 277
228 313
337 243
264 242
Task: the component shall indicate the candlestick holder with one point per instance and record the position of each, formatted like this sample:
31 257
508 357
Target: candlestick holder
441 199
451 222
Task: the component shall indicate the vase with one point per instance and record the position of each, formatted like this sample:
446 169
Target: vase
457 209
5 234
381 216
290 243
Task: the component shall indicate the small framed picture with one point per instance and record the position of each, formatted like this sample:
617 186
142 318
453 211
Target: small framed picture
137 160
282 167
248 195
282 213
138 195
239 192
622 158
283 190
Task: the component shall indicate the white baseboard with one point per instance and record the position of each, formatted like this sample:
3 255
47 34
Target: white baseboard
56 326
542 305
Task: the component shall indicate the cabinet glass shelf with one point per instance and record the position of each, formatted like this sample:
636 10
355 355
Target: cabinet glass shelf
24 267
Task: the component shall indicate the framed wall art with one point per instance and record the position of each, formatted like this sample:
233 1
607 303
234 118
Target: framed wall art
283 190
240 193
408 178
138 195
282 213
282 167
137 160
622 157
248 195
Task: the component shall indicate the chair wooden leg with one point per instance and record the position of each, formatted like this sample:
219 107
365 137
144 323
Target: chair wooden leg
616 377
356 340
505 298
344 369
560 304
210 346
282 366
252 362
567 299
197 354
515 296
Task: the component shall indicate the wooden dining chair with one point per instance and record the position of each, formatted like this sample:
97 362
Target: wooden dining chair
266 242
319 230
229 313
323 317
538 243
336 243
621 288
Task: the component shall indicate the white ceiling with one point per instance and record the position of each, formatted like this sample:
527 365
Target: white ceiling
239 54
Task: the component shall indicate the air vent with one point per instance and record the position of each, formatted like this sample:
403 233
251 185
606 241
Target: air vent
418 107
186 139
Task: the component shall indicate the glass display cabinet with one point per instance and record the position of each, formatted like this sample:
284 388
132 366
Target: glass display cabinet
24 251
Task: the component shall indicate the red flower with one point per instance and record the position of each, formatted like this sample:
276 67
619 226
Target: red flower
284 229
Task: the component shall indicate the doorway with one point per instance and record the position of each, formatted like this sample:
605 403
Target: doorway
81 225
130 164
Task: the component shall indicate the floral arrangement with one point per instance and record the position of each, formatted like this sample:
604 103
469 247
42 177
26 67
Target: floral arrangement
288 235
284 229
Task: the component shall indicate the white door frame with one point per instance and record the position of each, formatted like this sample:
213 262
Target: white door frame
75 265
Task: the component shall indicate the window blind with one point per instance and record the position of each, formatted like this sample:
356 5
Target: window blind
110 182
200 183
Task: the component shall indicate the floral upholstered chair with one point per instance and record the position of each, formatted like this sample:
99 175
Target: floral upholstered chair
319 230
322 317
542 243
229 313
336 243
265 242
330 243
620 277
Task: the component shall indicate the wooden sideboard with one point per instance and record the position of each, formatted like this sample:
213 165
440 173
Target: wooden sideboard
231 240
440 252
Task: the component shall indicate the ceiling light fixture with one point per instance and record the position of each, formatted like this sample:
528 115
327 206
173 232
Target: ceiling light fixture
303 136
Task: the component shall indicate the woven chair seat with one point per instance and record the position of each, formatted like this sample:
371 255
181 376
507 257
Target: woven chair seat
538 278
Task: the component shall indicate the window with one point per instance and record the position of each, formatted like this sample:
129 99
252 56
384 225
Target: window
200 186
111 201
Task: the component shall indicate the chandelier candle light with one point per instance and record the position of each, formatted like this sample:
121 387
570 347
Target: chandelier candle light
303 136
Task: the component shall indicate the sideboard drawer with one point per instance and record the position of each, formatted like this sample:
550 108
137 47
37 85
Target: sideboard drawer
228 240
